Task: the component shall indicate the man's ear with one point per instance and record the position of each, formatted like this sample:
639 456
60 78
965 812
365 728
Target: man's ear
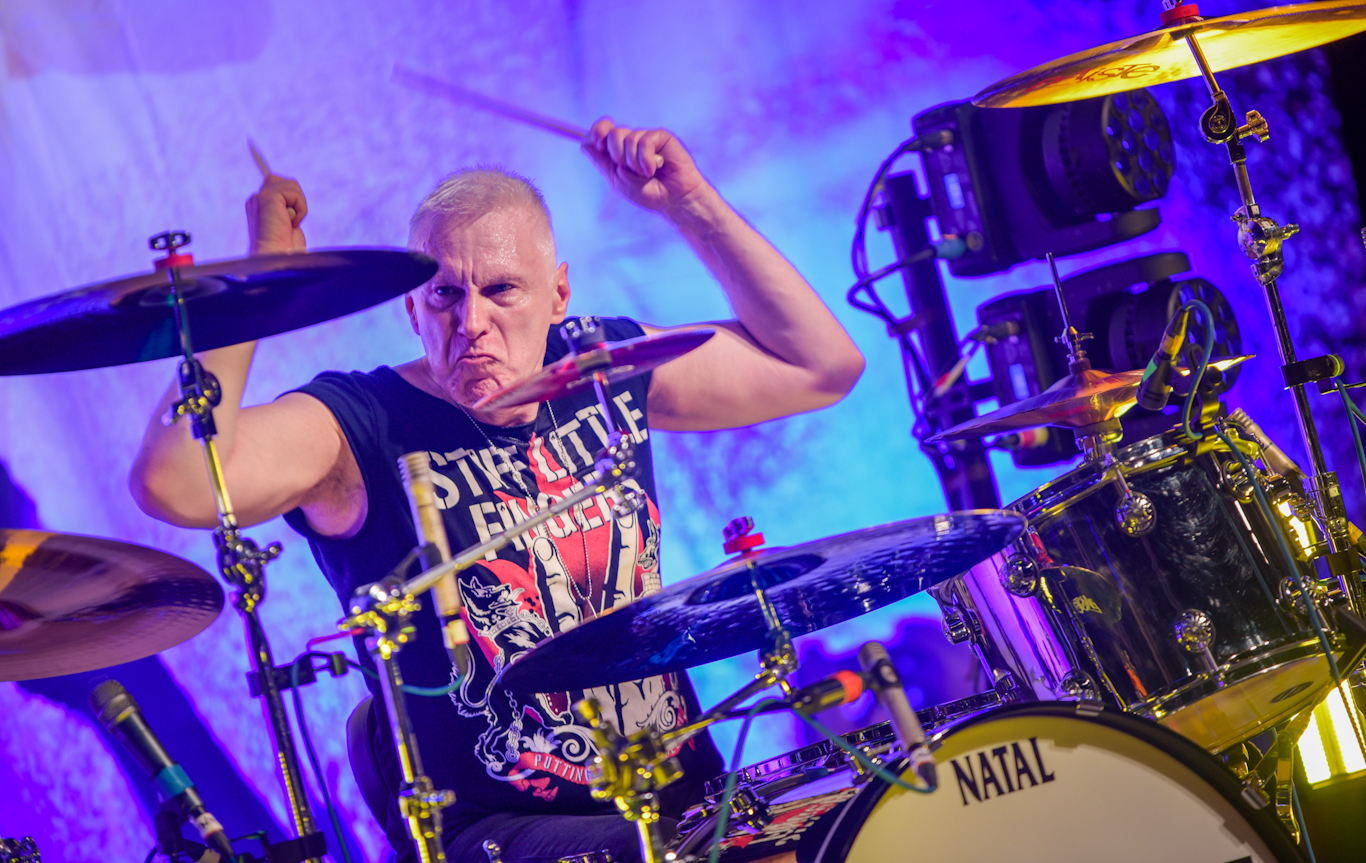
561 302
412 314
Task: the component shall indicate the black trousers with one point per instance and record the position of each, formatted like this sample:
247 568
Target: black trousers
546 838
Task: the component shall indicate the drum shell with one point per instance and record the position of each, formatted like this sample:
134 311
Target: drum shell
1106 604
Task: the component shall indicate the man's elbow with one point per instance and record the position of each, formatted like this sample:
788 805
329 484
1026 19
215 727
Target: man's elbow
163 496
841 373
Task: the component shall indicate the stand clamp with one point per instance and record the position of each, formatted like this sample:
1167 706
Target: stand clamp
384 611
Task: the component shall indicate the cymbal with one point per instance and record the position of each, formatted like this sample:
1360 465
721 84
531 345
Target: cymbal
717 614
618 361
77 603
130 320
1074 401
1161 56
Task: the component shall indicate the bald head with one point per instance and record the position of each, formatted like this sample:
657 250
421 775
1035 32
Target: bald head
470 194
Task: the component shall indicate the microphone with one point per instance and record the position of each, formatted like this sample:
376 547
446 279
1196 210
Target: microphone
1156 384
886 683
431 531
841 687
121 716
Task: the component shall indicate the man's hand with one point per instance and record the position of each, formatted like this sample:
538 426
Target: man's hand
274 214
649 166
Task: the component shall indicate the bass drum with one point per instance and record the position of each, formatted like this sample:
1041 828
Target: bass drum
1043 782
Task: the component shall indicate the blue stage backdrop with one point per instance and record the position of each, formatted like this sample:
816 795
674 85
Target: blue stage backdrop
121 118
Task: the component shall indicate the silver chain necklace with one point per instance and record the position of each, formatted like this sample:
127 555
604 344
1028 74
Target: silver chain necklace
526 492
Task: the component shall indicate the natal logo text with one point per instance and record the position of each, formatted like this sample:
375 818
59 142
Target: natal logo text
1006 768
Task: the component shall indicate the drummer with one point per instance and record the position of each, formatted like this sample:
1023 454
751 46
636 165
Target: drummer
325 455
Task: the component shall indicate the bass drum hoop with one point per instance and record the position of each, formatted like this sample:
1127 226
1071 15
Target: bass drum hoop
850 820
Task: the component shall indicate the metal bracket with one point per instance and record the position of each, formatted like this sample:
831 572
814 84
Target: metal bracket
1314 369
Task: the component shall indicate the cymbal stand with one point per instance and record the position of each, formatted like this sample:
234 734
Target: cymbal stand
240 560
1095 441
630 770
1260 238
384 611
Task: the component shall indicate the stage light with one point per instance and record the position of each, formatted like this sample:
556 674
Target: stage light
1328 748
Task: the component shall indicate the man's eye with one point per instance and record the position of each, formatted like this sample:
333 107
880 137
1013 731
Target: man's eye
499 288
447 291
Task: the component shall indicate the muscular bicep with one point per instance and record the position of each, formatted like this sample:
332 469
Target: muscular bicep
732 381
287 454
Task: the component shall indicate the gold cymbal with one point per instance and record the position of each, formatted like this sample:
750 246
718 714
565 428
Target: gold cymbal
1160 56
77 603
1075 401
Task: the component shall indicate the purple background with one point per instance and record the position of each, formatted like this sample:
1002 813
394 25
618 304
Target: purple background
120 118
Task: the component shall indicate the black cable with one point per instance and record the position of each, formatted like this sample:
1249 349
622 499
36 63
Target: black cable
308 747
151 854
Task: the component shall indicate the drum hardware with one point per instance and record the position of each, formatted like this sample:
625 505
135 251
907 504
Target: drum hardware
959 627
495 855
630 770
240 560
23 850
1194 631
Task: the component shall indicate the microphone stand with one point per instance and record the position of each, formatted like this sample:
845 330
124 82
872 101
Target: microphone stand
240 561
1260 238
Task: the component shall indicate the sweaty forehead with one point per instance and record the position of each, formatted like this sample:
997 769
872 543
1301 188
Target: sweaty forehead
504 242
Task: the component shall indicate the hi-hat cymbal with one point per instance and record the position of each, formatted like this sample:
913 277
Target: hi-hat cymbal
77 603
1154 58
131 320
717 614
617 361
1074 401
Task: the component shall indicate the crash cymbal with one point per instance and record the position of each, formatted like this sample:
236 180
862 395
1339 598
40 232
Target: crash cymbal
717 614
617 361
1075 401
77 603
1153 58
130 320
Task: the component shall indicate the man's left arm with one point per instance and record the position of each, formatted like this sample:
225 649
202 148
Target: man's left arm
784 354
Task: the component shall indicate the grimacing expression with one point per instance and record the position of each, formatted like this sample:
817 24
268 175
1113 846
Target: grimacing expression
483 317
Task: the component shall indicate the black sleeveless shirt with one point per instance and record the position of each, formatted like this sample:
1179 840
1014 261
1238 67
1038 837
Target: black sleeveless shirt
501 752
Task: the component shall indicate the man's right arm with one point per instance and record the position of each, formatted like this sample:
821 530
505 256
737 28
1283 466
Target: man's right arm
276 456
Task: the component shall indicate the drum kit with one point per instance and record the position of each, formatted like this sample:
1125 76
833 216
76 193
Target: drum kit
1146 621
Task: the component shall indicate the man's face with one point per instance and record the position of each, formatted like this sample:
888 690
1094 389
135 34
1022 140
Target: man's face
483 317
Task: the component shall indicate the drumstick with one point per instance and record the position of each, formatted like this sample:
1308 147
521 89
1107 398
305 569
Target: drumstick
266 172
455 93
259 159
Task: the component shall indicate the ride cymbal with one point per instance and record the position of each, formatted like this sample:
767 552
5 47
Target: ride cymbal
77 603
717 614
131 320
1161 56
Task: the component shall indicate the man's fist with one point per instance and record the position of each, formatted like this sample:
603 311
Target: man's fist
273 217
649 166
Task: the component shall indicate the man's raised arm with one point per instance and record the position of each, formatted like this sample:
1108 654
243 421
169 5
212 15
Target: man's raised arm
275 456
786 353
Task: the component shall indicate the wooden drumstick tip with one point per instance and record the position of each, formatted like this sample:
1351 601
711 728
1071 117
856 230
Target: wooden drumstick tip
259 160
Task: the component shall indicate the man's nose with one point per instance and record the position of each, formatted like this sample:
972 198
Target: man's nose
474 316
